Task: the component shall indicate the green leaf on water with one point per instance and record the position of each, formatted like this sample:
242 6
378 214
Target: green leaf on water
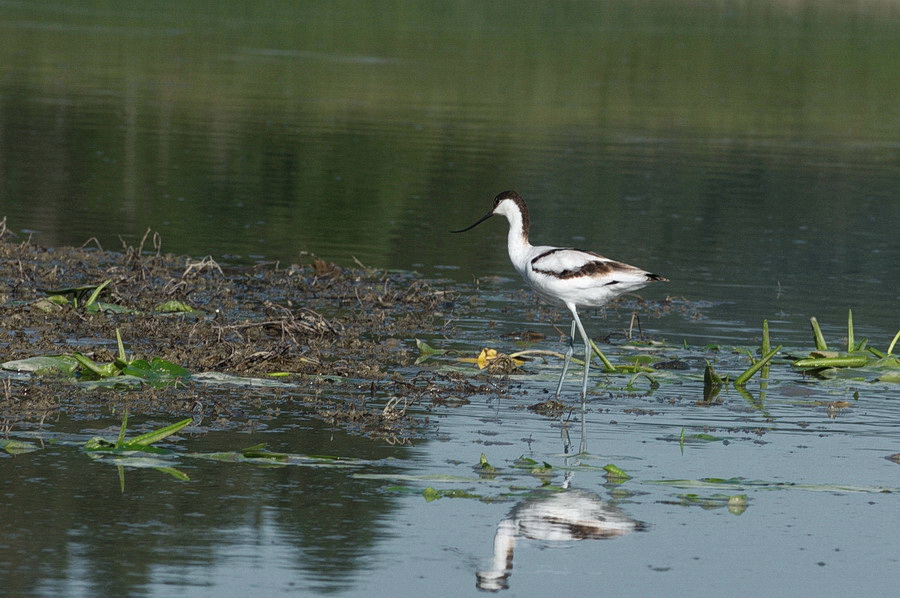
483 465
615 473
98 444
46 305
122 382
845 361
524 462
43 364
426 351
432 494
738 484
18 447
106 370
712 383
258 451
175 473
158 372
173 306
149 438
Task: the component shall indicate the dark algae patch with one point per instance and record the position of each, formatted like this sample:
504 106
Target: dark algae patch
299 331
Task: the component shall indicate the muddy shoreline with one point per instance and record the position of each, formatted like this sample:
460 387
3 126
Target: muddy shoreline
314 326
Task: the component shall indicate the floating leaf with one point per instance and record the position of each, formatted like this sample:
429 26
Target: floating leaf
712 383
742 483
431 494
847 361
158 372
174 306
106 370
427 350
175 473
614 473
17 447
63 364
156 435
258 451
483 465
48 305
111 308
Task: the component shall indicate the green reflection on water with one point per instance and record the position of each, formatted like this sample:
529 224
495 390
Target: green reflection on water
820 68
367 129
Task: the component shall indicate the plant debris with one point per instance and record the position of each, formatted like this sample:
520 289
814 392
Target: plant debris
307 326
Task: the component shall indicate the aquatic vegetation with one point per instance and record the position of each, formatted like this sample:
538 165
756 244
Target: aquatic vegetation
432 494
735 503
738 484
17 447
156 371
648 364
858 361
485 467
142 442
133 452
615 474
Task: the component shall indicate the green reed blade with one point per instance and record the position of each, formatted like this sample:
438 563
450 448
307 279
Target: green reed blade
847 361
893 342
121 346
96 293
817 333
120 441
742 379
606 363
157 435
851 341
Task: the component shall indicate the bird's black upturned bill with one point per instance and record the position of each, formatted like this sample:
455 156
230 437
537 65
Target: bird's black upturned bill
483 218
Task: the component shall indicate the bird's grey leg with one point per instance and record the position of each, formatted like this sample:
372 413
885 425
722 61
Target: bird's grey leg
587 352
568 357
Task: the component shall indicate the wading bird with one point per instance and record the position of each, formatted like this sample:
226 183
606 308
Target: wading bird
564 275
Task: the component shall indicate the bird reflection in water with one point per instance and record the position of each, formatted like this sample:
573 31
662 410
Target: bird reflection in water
562 517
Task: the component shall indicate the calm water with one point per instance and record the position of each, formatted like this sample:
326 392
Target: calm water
747 151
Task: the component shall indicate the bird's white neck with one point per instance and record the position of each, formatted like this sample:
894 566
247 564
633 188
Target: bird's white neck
517 241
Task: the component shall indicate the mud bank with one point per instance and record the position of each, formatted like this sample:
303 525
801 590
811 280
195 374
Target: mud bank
314 326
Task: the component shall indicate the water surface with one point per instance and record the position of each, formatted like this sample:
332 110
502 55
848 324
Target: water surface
748 152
